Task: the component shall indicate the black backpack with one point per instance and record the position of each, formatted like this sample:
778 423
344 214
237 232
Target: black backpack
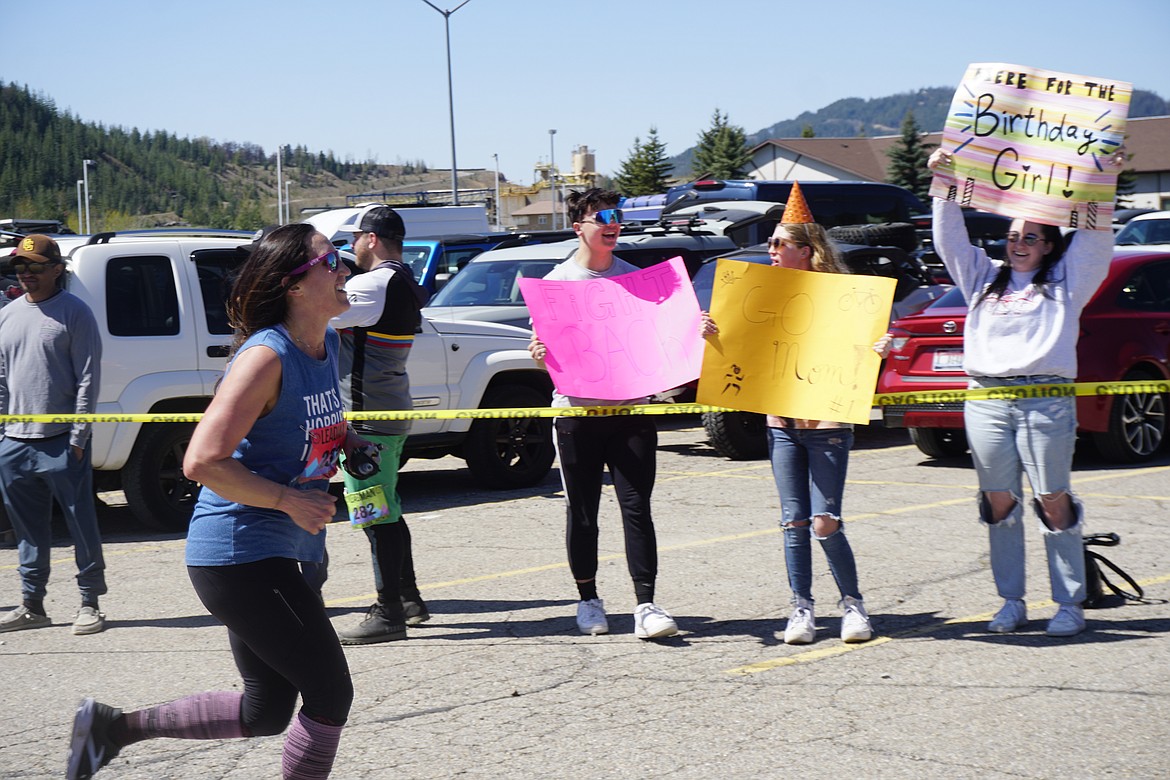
1095 578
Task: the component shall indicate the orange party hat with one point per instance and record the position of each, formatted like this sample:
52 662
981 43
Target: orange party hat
796 210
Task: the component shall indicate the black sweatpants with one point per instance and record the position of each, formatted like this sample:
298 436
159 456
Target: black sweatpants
628 447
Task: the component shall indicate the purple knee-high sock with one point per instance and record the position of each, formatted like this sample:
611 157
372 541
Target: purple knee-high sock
214 715
309 749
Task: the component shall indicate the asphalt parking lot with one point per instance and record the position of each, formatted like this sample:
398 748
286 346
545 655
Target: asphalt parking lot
499 684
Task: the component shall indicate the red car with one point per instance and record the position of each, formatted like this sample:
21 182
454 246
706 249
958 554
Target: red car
1125 335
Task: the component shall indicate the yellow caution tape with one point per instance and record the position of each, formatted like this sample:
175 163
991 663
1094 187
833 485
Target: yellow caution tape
1009 393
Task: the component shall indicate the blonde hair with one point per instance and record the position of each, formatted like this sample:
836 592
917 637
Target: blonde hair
826 257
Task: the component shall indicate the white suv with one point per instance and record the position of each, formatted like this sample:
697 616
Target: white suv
159 299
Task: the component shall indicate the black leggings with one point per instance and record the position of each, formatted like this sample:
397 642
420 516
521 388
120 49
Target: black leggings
282 641
627 445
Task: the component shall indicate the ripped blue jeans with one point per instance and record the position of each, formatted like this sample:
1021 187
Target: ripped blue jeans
1033 436
809 466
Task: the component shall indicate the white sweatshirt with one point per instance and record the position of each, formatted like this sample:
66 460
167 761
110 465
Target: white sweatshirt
1028 331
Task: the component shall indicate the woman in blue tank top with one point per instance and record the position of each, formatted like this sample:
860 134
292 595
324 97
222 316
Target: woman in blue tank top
264 451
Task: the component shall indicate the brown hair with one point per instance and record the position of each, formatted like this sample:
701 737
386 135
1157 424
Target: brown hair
258 298
593 199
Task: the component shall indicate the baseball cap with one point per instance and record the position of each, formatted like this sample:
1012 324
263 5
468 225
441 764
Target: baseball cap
38 248
378 219
257 237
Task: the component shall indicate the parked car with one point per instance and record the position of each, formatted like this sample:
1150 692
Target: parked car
742 435
1125 335
488 289
1122 216
831 202
1150 228
434 260
985 230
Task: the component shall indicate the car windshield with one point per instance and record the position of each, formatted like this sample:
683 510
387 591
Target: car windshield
952 298
704 278
1144 231
494 283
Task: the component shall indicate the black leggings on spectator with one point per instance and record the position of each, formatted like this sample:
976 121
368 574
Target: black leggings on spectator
586 446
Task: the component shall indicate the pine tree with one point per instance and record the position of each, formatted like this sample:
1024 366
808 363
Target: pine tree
908 159
722 151
647 169
1126 182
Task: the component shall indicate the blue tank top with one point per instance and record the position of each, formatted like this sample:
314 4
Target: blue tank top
296 444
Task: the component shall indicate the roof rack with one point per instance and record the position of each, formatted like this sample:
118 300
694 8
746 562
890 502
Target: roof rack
245 236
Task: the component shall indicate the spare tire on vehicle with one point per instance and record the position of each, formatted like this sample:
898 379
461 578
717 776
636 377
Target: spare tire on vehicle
897 234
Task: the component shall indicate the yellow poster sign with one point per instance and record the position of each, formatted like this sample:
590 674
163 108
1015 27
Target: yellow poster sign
794 343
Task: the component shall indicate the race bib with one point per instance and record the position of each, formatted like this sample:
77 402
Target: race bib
368 507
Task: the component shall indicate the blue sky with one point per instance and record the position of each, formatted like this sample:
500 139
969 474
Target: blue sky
367 79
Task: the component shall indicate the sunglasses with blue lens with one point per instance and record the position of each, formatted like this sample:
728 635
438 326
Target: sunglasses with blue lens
607 217
332 259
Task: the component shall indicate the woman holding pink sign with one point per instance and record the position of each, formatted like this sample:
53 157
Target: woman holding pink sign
586 446
1022 327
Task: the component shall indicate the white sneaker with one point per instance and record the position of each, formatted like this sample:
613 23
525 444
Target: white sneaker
1069 620
802 624
855 625
1011 616
591 617
653 622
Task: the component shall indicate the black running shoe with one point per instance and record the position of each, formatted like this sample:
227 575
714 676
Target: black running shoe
415 610
91 748
383 623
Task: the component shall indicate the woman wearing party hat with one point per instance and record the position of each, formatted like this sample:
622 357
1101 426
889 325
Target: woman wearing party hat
810 457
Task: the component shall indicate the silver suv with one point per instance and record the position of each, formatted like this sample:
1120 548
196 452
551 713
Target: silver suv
488 288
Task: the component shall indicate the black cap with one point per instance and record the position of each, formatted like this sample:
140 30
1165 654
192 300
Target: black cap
257 237
378 219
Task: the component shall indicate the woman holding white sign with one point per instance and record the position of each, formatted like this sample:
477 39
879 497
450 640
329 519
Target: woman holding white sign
810 457
1022 326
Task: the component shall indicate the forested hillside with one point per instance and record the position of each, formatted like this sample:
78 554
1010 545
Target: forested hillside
153 178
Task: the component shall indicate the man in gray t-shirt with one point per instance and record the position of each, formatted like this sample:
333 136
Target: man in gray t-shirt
50 358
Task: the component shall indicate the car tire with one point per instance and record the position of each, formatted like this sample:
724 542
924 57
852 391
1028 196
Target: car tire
940 442
737 435
1137 424
159 494
504 453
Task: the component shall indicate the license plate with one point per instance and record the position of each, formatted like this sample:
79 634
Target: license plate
948 360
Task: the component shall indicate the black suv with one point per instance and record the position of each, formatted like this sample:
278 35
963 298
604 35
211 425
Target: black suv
741 435
831 202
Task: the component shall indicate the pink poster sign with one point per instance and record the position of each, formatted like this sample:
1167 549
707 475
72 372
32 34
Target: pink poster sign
623 337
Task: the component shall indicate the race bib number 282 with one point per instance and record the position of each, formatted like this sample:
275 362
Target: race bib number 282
368 507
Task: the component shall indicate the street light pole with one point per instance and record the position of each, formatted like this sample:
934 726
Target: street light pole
287 203
499 222
80 227
450 95
552 179
85 183
279 188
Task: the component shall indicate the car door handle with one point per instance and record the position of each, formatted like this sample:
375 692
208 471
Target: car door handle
218 351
